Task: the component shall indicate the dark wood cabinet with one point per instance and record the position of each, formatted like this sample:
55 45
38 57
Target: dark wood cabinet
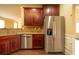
28 18
51 10
3 47
18 41
33 16
9 44
37 41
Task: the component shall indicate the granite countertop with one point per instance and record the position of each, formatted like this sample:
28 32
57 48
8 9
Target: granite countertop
5 32
20 34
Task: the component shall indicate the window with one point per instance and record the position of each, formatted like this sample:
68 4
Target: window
19 25
2 24
77 18
15 25
77 27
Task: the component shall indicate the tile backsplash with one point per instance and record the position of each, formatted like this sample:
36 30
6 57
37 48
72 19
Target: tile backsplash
3 32
26 30
32 30
12 31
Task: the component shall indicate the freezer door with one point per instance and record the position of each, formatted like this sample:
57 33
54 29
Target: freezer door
59 28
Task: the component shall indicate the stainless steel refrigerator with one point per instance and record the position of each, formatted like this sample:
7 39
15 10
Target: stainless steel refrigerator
54 30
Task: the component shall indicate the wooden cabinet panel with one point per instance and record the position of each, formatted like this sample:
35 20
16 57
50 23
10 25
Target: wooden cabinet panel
33 16
47 10
28 18
38 17
9 44
51 10
3 47
18 41
14 43
38 41
55 10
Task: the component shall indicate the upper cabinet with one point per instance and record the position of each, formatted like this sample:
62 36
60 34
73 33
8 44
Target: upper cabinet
33 16
51 10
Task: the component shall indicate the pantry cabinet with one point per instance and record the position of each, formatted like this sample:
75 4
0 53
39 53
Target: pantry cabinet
33 16
37 41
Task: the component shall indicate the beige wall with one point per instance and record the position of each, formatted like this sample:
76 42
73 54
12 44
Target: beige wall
77 13
66 10
76 16
9 23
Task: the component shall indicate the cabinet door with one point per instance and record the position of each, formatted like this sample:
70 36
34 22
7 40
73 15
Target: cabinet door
9 44
33 16
47 10
12 45
38 41
51 10
55 10
3 47
28 17
38 17
0 48
18 42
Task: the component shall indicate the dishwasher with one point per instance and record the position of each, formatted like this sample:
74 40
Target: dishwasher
26 41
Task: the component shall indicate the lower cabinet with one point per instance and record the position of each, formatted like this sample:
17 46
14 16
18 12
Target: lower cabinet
32 41
9 44
37 41
3 47
13 45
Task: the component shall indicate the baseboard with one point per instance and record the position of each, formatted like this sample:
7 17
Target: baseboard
56 53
